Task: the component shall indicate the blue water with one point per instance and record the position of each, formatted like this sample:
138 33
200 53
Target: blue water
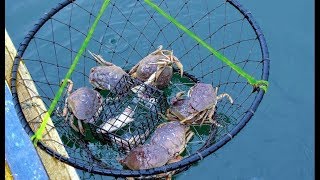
279 141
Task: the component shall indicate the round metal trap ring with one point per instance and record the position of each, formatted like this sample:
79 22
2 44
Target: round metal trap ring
126 33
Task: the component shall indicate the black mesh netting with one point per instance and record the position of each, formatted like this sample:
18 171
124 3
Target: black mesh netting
127 32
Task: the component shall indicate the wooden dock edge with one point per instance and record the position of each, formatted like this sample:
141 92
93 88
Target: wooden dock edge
8 174
27 91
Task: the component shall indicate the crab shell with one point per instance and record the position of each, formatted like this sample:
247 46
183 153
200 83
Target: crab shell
168 141
202 96
145 70
181 108
145 157
106 77
171 136
84 104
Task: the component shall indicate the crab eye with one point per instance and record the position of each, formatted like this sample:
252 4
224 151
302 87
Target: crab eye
92 69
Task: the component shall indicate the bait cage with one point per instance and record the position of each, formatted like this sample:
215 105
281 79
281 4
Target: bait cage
144 110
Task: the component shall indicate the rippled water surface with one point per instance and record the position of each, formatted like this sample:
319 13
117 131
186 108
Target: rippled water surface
279 141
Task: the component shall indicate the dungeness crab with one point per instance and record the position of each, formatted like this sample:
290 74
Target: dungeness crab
166 144
159 62
108 75
105 76
84 103
199 106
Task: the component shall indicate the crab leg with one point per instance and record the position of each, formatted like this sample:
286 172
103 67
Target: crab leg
163 60
99 59
203 115
134 69
179 65
189 117
178 97
169 56
176 114
169 116
167 51
159 63
180 94
69 86
212 110
225 95
157 50
173 59
65 108
66 116
80 127
189 136
207 120
71 123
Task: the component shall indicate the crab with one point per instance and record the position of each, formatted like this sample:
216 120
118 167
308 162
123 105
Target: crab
199 106
160 62
108 75
84 103
166 144
105 76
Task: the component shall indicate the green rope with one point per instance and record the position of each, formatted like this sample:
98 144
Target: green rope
38 135
255 83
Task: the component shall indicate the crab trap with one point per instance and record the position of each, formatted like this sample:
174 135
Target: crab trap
139 88
130 112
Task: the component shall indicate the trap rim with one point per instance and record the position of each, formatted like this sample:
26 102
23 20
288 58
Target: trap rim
166 168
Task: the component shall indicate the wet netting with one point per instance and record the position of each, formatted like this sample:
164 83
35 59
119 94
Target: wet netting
117 120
